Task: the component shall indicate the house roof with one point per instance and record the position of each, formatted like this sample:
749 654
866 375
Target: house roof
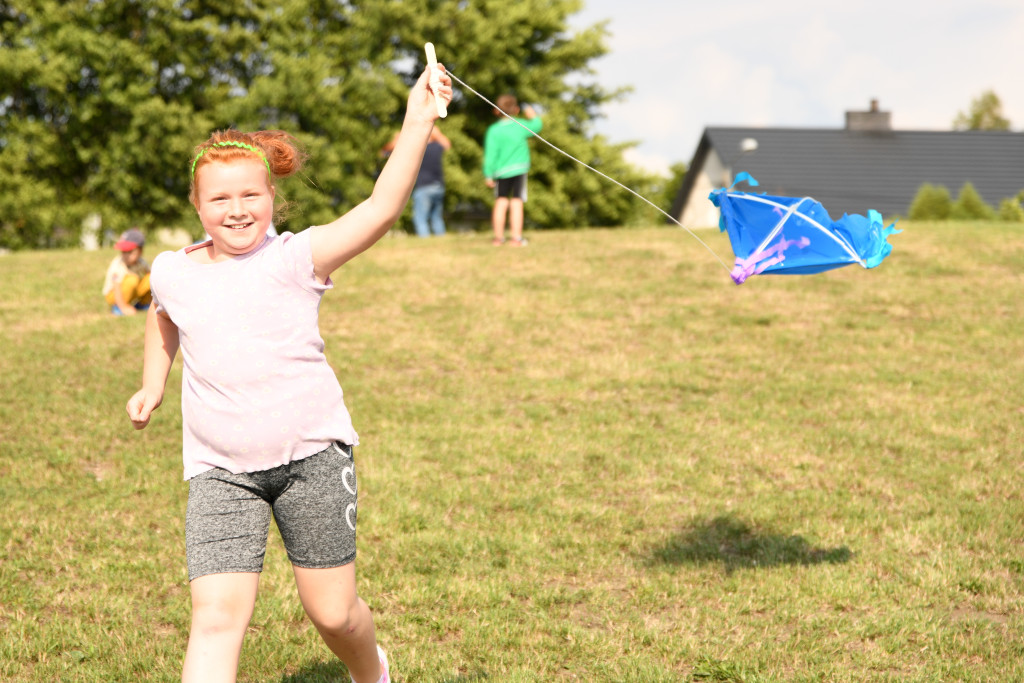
851 171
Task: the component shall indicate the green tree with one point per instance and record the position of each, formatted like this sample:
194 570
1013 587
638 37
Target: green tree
931 203
969 205
670 187
103 101
985 113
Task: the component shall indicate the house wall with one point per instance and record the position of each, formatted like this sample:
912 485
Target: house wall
699 211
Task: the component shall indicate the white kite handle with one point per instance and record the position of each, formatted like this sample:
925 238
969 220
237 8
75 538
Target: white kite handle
435 80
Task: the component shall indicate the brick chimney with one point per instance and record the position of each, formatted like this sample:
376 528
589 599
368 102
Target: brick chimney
871 120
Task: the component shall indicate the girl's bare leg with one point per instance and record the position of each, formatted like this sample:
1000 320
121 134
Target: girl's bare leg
342 618
222 606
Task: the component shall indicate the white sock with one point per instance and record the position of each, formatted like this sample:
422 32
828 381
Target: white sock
383 675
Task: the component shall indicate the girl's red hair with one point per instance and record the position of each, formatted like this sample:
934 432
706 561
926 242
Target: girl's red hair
282 152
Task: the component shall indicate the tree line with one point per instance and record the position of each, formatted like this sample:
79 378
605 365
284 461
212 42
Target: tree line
103 101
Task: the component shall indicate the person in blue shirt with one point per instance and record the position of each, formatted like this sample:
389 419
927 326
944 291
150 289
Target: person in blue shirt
428 194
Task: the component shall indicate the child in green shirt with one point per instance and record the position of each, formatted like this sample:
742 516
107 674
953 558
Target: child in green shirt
506 163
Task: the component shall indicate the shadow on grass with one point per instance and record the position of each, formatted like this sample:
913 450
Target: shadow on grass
737 545
319 672
333 672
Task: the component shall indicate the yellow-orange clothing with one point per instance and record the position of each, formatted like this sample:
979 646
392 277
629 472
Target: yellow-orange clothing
133 282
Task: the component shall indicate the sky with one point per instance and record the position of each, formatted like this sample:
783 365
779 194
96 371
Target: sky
798 63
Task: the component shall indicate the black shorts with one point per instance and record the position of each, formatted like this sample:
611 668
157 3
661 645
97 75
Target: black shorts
313 501
514 187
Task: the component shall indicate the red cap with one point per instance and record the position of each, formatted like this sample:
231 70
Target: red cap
132 239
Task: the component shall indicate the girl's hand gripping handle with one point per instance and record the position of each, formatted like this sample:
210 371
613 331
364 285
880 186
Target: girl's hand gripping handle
435 80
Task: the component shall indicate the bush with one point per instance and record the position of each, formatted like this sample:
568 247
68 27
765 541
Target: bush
1011 211
969 205
932 202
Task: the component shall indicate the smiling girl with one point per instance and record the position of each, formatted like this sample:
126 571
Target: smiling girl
265 427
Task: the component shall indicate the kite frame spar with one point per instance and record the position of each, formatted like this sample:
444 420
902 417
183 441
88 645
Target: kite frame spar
764 256
794 211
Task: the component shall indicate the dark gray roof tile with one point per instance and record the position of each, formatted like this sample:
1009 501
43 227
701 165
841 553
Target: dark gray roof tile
853 171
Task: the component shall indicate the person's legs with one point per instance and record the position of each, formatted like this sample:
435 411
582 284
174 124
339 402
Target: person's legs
226 524
222 605
515 220
498 218
129 285
437 225
134 291
341 617
421 211
316 516
144 297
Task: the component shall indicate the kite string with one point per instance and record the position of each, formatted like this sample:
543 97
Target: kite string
585 165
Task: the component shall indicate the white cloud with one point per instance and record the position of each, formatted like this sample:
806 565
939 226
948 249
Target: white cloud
800 63
654 163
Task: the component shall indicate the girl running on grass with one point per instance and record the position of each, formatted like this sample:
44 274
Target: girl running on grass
265 428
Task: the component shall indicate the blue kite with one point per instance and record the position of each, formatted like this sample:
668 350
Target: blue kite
793 236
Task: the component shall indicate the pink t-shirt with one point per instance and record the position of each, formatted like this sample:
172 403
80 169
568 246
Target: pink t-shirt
257 391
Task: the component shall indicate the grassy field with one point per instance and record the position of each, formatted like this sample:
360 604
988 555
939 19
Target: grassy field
595 459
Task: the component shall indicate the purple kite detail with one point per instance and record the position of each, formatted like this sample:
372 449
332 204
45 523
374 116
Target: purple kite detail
759 225
757 263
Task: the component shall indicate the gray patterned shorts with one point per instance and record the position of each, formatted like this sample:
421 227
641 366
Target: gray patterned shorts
313 501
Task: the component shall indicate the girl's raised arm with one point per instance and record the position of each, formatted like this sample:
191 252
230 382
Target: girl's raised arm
336 243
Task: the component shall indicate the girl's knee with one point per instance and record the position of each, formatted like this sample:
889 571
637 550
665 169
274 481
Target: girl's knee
213 617
340 622
222 604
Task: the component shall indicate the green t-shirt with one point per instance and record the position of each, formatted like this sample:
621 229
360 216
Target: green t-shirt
506 148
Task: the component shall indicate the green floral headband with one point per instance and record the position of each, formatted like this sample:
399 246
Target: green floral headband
232 143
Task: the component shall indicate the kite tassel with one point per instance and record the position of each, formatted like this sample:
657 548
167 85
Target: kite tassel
758 262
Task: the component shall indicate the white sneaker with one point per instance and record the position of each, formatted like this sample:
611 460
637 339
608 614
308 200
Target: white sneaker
385 675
